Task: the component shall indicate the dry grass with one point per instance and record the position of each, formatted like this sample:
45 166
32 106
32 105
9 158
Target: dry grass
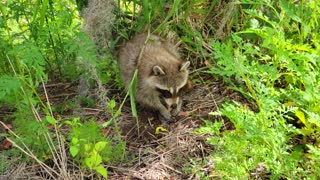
162 156
165 156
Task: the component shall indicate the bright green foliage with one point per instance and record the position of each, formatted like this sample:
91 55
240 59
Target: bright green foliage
41 41
272 58
256 140
275 59
33 38
132 92
31 133
91 148
196 169
8 85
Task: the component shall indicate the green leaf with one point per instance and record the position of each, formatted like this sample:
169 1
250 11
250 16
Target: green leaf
8 85
105 124
99 146
146 10
89 162
290 9
96 158
87 147
215 113
112 104
93 160
314 150
74 150
101 170
132 92
43 12
301 117
254 23
51 120
74 140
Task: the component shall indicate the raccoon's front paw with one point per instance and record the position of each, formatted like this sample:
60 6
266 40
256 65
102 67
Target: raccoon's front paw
175 110
165 114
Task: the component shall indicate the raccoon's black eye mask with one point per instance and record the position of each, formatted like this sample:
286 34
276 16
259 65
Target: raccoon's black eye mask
164 93
163 102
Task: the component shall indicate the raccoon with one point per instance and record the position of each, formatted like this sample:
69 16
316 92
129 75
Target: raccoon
161 73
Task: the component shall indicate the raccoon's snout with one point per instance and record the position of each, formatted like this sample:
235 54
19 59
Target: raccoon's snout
171 103
174 106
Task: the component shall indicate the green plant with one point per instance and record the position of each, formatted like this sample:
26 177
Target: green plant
257 138
40 42
91 148
274 61
26 37
196 167
266 50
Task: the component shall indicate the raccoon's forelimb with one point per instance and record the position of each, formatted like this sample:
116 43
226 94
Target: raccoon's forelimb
154 102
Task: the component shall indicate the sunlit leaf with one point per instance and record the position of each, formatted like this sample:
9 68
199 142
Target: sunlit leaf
99 146
101 170
51 120
74 150
301 116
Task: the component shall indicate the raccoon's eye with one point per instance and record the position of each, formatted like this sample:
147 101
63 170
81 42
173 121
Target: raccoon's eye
164 93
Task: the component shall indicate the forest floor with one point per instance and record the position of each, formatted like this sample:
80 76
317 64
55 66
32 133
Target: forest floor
266 36
166 155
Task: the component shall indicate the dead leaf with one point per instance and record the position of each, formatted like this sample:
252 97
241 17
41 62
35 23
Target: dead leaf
183 113
51 127
8 126
6 145
207 63
104 131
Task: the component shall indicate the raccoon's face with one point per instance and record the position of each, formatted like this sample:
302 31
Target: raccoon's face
169 82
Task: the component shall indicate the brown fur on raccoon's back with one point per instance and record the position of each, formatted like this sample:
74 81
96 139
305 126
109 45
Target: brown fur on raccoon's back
161 73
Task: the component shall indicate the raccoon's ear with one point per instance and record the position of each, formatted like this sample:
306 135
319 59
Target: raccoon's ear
185 66
158 71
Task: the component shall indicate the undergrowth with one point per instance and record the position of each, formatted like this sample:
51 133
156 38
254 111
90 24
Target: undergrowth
268 51
275 58
91 148
43 42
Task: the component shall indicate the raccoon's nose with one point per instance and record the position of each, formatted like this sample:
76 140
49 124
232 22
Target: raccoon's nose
174 106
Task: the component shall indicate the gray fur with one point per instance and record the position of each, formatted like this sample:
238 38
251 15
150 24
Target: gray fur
160 67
